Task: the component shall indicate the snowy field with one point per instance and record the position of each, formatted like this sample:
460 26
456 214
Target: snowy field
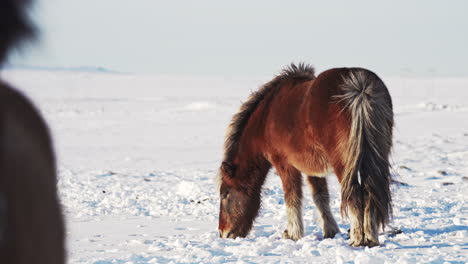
138 156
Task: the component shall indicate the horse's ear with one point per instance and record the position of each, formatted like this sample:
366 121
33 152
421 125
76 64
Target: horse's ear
228 169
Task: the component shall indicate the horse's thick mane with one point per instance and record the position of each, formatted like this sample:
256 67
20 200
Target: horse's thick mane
301 72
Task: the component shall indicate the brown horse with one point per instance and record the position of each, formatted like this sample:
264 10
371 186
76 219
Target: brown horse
339 122
31 224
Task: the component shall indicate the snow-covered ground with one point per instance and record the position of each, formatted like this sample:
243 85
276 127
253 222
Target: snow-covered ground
138 156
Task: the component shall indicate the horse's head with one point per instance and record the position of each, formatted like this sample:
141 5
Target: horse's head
239 203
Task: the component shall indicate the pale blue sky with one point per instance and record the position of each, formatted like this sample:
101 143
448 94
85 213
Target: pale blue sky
252 37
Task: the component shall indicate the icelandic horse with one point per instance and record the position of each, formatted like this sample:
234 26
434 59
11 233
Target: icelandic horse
31 224
340 121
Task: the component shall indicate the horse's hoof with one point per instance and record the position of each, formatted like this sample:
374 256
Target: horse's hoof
366 243
370 243
356 243
331 232
286 235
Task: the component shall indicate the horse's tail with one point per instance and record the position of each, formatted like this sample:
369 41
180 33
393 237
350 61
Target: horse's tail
366 178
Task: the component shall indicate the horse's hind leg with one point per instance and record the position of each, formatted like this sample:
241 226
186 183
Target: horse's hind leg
292 187
321 198
370 224
356 215
364 227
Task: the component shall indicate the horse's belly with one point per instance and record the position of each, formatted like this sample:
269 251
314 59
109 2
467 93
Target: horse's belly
311 165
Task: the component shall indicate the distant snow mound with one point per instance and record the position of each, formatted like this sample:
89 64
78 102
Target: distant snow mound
430 106
78 69
200 106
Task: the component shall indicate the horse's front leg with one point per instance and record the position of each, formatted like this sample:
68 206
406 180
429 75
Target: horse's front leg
292 187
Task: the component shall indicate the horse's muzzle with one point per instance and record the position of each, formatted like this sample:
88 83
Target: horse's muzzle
226 234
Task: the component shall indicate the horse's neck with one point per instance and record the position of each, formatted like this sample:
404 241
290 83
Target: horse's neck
253 163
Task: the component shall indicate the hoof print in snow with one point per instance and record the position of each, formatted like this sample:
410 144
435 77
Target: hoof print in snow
442 172
465 178
405 167
393 232
447 183
107 174
399 183
199 201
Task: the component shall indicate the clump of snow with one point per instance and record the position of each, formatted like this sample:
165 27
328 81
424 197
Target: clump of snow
188 189
363 258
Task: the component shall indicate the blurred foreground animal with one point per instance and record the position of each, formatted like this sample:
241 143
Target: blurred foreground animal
339 122
31 224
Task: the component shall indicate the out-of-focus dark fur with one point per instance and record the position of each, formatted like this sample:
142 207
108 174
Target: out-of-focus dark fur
15 25
32 229
31 224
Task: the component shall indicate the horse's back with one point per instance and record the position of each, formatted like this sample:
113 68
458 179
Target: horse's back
31 225
290 136
306 125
